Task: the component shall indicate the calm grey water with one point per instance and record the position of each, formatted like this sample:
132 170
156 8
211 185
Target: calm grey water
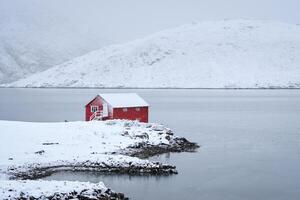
250 140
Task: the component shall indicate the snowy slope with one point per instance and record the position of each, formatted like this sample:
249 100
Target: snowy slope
216 54
36 35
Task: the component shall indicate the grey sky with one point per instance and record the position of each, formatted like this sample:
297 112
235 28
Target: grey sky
122 20
135 18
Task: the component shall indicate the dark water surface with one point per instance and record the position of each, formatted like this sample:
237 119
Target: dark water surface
250 140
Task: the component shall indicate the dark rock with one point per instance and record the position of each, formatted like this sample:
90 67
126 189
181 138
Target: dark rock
158 128
168 137
169 132
50 143
145 150
149 126
121 196
40 152
125 133
81 195
142 136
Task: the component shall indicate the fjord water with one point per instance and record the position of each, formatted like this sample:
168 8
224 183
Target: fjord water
250 140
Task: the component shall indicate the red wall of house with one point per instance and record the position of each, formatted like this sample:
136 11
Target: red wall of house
131 114
95 102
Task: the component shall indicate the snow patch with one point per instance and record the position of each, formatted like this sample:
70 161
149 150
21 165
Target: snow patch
41 188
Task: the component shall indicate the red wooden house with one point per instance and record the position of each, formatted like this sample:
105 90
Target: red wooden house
117 106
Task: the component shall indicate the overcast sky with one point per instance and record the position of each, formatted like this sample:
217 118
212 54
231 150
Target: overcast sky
122 20
139 17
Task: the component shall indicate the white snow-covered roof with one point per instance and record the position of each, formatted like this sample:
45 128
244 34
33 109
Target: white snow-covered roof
119 100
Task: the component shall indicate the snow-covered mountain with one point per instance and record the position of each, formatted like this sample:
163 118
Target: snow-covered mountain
215 54
36 35
20 57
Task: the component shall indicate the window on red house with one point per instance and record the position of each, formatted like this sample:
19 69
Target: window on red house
137 109
94 109
124 109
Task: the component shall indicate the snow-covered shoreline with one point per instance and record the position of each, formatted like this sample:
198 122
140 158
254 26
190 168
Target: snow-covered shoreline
41 189
34 150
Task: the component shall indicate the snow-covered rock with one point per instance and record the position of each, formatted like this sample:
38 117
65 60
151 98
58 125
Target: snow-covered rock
215 54
54 190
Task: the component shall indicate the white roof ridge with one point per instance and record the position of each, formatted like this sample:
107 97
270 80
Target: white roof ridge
119 100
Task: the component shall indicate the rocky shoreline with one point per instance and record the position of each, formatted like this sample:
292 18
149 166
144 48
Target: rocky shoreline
56 190
41 172
80 195
145 150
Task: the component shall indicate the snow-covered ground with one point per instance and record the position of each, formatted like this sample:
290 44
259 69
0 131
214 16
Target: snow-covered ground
215 54
27 147
26 144
39 188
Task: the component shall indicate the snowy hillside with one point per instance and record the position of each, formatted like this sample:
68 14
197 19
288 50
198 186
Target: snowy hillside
36 35
216 54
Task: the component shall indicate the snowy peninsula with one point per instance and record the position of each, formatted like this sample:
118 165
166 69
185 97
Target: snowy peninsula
32 150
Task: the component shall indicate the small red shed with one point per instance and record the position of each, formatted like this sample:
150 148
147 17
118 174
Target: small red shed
117 106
